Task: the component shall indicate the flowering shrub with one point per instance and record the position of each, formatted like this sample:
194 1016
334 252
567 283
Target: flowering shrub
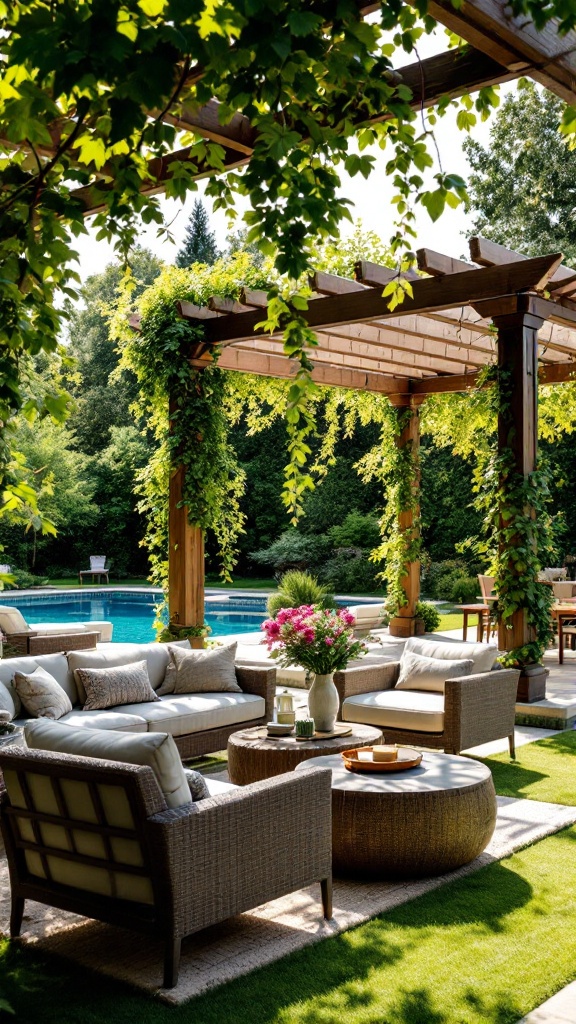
318 639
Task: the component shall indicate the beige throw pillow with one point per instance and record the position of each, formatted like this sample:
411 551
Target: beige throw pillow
41 695
167 685
210 671
420 673
123 684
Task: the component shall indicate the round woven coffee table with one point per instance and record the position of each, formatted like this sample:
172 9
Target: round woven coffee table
253 755
421 821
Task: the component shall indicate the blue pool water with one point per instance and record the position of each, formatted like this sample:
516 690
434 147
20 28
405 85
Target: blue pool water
133 613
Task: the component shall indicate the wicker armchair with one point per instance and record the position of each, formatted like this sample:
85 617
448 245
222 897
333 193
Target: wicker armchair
476 708
95 837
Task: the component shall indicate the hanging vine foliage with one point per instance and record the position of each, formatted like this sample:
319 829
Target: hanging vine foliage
517 527
185 408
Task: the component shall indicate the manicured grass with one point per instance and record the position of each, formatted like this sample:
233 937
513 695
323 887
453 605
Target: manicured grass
545 770
241 584
482 950
453 620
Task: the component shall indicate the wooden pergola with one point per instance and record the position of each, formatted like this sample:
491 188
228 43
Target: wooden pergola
500 48
461 317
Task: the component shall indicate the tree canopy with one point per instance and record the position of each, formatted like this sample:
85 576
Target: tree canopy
523 184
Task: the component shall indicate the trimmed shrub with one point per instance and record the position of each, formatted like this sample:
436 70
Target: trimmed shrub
297 588
465 590
349 571
429 613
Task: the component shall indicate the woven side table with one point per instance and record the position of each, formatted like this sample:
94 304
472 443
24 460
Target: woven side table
421 821
253 755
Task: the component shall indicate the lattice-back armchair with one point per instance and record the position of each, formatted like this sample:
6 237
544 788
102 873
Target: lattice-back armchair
95 837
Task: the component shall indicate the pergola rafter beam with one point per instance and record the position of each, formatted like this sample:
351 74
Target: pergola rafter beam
429 295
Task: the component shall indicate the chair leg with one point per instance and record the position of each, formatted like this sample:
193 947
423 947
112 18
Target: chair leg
326 886
16 915
171 961
512 746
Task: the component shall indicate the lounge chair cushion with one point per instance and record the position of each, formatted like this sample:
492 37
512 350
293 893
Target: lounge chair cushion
397 709
157 750
420 673
205 671
11 620
41 695
115 684
482 655
181 714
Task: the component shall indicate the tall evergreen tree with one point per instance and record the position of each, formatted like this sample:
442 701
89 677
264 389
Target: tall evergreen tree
199 242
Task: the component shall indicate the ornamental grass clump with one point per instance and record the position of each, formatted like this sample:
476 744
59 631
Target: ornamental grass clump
318 639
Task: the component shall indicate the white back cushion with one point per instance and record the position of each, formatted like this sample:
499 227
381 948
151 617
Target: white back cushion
157 750
11 620
483 655
155 655
55 664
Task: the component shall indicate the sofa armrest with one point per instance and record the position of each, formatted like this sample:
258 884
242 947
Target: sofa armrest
479 708
260 681
366 679
229 853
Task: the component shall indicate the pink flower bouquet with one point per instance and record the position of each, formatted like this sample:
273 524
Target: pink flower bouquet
318 639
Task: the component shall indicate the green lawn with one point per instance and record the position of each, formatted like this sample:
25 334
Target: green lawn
481 950
545 770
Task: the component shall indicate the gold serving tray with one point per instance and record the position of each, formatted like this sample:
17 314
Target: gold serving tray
408 757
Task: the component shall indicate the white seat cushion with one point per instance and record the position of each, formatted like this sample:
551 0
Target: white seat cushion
182 714
47 628
109 719
397 709
12 620
483 655
217 788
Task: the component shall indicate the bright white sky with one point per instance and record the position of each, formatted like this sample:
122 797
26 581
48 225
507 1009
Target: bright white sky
371 199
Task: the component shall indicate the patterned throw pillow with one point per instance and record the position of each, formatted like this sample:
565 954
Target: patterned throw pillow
210 671
122 684
41 695
197 784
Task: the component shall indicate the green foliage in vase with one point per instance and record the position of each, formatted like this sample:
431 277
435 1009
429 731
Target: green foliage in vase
297 588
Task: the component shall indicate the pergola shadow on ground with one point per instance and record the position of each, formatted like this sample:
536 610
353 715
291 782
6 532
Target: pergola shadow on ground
501 309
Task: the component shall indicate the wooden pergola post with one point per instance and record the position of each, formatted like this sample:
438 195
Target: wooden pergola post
185 562
406 623
518 432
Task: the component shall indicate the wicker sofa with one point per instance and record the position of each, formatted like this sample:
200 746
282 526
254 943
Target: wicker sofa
96 837
199 722
473 709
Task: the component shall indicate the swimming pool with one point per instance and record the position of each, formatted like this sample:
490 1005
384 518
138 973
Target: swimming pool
133 613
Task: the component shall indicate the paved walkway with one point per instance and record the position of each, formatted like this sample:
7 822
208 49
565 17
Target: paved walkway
560 1009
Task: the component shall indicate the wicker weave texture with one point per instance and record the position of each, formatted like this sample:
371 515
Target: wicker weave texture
253 756
50 643
385 835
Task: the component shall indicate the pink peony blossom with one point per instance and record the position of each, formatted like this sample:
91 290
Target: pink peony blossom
329 641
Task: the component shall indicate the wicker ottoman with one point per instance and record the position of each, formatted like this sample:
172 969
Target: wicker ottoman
253 755
422 821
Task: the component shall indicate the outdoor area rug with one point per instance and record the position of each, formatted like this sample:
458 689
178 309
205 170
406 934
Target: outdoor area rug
269 932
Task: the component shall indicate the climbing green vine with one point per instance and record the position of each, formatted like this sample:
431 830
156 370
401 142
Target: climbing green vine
517 524
399 472
186 410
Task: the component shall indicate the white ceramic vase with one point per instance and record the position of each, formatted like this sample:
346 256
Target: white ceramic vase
323 702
